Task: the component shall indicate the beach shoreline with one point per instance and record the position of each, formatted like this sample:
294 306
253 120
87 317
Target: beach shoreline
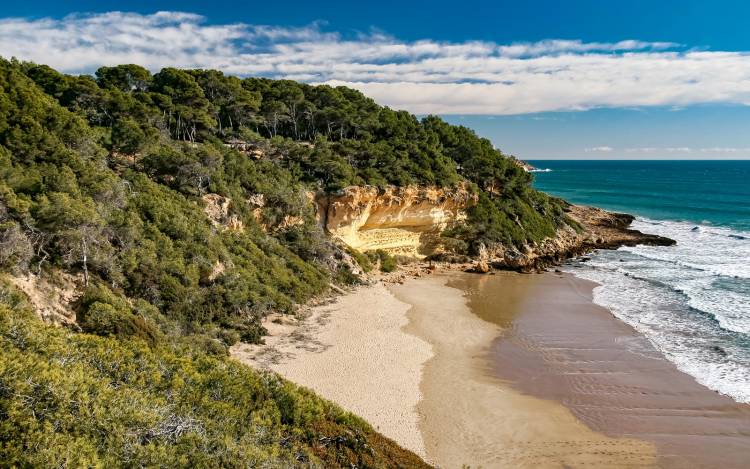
452 366
559 345
469 417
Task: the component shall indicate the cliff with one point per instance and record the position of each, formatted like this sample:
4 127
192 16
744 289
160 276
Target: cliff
400 220
409 221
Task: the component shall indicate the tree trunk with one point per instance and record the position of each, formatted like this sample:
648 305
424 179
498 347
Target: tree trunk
84 250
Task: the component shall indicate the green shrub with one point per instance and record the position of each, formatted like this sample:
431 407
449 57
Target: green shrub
229 337
104 313
106 320
206 344
14 298
364 262
344 276
387 262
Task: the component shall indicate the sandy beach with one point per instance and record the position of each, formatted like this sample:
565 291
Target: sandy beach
355 353
505 370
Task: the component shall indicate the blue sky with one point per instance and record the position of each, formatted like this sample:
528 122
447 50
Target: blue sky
586 79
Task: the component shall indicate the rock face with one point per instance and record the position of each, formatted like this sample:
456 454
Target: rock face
52 296
401 220
218 209
409 220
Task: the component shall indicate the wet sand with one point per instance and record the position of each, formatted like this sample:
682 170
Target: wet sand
470 417
556 344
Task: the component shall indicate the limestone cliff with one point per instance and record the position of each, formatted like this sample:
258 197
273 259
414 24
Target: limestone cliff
400 220
409 220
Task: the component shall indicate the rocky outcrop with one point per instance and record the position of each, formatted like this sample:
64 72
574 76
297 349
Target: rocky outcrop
599 229
52 295
218 209
401 220
524 165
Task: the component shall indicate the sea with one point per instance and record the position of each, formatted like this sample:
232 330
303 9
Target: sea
692 300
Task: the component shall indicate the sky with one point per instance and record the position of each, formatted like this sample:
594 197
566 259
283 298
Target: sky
546 79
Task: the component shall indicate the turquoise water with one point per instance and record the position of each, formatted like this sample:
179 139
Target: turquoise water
708 192
691 300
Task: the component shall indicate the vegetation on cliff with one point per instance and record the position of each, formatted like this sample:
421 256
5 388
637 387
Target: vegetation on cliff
180 198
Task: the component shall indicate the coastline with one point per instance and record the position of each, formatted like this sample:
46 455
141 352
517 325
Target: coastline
558 344
504 370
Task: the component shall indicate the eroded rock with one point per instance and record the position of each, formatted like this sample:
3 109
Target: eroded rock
401 220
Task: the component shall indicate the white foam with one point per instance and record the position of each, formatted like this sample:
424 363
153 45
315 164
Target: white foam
721 251
692 301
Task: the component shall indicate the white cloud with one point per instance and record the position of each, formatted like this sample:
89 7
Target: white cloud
725 150
558 46
659 150
426 76
602 149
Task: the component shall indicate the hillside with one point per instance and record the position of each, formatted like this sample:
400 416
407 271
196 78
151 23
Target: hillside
78 400
113 177
178 209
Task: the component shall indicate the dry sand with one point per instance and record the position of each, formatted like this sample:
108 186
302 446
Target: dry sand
355 353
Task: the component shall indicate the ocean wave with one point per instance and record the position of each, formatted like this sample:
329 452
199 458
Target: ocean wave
717 358
720 251
729 308
692 300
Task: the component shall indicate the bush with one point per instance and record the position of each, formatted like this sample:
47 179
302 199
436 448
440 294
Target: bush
229 337
387 262
104 313
344 276
205 344
364 262
106 320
